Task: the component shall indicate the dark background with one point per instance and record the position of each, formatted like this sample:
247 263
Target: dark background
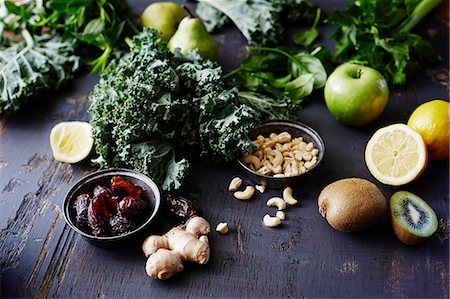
305 257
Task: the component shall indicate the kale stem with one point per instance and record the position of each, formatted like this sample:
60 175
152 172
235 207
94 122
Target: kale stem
421 10
28 38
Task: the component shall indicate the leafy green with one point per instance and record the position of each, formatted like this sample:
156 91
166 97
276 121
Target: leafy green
212 18
152 110
260 21
377 33
31 66
98 23
306 38
279 73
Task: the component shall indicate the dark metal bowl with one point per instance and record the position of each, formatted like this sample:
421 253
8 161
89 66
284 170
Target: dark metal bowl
103 177
296 129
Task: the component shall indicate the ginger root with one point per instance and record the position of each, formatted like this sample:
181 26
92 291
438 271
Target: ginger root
185 243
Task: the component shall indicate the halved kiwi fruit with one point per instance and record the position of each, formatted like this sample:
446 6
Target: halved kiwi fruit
413 220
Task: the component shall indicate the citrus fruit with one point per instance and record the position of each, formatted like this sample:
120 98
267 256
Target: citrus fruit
72 141
431 121
396 155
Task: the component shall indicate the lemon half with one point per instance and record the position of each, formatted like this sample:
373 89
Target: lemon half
396 155
72 141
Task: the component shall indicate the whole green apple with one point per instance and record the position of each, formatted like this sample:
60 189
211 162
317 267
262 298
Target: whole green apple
163 16
355 94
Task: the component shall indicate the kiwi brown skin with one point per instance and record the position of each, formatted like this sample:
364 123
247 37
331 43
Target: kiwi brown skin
404 235
352 204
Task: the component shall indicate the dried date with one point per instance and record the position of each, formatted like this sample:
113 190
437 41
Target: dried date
180 206
81 205
97 215
132 207
121 186
119 225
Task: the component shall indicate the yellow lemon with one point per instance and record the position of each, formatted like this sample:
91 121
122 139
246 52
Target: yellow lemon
72 141
431 120
396 155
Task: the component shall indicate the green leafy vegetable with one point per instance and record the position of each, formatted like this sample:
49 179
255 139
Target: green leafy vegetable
306 38
260 21
34 65
212 18
98 23
152 110
378 33
277 72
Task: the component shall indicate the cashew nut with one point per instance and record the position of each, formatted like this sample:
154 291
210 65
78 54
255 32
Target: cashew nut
278 160
288 198
222 228
246 194
270 221
277 202
235 184
261 188
251 159
284 137
281 215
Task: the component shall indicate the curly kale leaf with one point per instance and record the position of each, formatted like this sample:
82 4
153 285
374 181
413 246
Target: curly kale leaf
256 19
212 18
260 21
137 116
32 66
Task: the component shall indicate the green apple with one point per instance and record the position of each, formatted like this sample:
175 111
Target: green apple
163 16
355 94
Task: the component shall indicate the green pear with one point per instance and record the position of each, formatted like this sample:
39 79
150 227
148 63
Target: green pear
192 34
163 16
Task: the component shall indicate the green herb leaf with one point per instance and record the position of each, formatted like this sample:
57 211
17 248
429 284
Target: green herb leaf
306 38
94 27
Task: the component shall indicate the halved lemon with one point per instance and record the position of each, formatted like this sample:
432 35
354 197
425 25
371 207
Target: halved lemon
71 141
396 155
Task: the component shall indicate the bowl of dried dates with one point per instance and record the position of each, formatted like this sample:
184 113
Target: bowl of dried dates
112 206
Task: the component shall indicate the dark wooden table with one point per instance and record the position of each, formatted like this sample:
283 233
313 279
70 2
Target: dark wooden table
42 257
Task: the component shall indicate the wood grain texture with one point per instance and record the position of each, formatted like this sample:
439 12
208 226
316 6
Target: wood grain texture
40 256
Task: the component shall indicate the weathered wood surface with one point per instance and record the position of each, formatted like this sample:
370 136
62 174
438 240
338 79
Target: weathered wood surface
42 257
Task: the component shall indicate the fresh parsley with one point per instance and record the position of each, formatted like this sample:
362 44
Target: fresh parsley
378 33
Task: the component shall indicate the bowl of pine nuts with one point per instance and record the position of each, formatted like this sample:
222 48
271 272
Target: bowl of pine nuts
285 151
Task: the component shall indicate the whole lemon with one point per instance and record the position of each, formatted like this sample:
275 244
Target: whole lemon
431 120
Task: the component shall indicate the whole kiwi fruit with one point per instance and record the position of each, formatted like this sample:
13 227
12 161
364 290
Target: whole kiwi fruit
413 220
352 204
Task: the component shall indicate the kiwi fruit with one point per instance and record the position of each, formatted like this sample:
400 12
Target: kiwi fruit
413 220
352 204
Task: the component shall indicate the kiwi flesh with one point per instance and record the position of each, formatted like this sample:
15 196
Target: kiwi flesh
413 220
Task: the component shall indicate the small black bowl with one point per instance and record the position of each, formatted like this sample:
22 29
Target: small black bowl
103 177
296 129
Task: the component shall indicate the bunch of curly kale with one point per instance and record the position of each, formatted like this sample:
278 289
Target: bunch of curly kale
153 109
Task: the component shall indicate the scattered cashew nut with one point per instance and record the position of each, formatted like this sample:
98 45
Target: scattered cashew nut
246 194
222 228
270 221
235 184
288 198
281 215
261 188
277 202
